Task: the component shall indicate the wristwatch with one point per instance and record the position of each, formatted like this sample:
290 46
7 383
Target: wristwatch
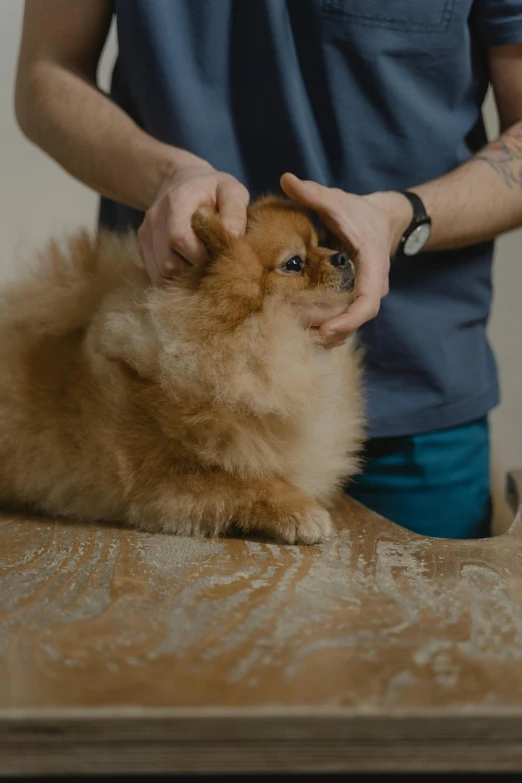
418 232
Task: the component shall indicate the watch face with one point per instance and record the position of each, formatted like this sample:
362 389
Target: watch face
417 239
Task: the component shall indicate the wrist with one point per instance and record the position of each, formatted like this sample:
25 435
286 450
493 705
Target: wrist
172 164
399 214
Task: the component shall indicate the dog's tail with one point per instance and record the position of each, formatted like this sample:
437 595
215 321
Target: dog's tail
67 283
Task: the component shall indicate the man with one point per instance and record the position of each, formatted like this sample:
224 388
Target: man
214 100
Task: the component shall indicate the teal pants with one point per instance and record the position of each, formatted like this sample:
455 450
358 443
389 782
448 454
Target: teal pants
436 484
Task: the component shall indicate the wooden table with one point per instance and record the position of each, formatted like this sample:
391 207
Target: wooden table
381 650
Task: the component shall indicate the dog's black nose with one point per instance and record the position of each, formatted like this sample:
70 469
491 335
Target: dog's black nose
343 263
340 260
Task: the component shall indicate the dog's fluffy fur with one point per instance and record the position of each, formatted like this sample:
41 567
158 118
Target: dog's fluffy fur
198 408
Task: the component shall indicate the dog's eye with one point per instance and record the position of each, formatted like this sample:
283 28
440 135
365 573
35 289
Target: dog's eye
294 264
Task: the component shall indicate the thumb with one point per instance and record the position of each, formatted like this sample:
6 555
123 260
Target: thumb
232 202
306 192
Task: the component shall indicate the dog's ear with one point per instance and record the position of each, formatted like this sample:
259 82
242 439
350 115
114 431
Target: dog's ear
210 230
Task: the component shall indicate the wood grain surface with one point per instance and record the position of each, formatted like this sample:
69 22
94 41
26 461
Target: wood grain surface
379 650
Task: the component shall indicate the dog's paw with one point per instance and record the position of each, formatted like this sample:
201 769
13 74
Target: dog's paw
300 524
311 526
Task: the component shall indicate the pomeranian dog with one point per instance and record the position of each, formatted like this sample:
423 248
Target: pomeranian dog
204 407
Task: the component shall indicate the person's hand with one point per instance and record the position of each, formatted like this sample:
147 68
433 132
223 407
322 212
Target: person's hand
371 226
166 240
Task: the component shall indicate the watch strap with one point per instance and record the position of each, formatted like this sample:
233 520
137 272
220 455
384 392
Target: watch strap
419 212
420 217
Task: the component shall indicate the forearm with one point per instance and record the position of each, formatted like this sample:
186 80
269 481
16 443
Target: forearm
479 200
473 203
92 138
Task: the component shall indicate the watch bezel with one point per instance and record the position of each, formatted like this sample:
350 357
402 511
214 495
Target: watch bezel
425 223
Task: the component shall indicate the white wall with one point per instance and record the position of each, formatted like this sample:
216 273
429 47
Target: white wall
37 199
505 333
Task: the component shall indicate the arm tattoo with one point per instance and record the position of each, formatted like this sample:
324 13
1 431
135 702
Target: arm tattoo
505 156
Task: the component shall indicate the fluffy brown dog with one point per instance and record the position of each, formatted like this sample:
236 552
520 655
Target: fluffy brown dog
199 408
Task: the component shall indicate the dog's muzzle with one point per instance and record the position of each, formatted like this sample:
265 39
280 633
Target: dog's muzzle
344 265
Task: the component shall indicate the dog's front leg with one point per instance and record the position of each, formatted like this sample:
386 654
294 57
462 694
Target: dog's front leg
216 503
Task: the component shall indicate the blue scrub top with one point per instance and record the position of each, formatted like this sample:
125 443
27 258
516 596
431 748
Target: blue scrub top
362 95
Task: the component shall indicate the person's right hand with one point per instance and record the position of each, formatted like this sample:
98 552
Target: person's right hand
166 240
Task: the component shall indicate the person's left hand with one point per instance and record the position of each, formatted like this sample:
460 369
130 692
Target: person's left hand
371 226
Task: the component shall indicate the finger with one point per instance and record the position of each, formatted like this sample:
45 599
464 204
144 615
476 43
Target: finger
176 265
176 228
232 201
316 315
335 343
169 262
371 283
326 202
362 310
306 192
147 255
